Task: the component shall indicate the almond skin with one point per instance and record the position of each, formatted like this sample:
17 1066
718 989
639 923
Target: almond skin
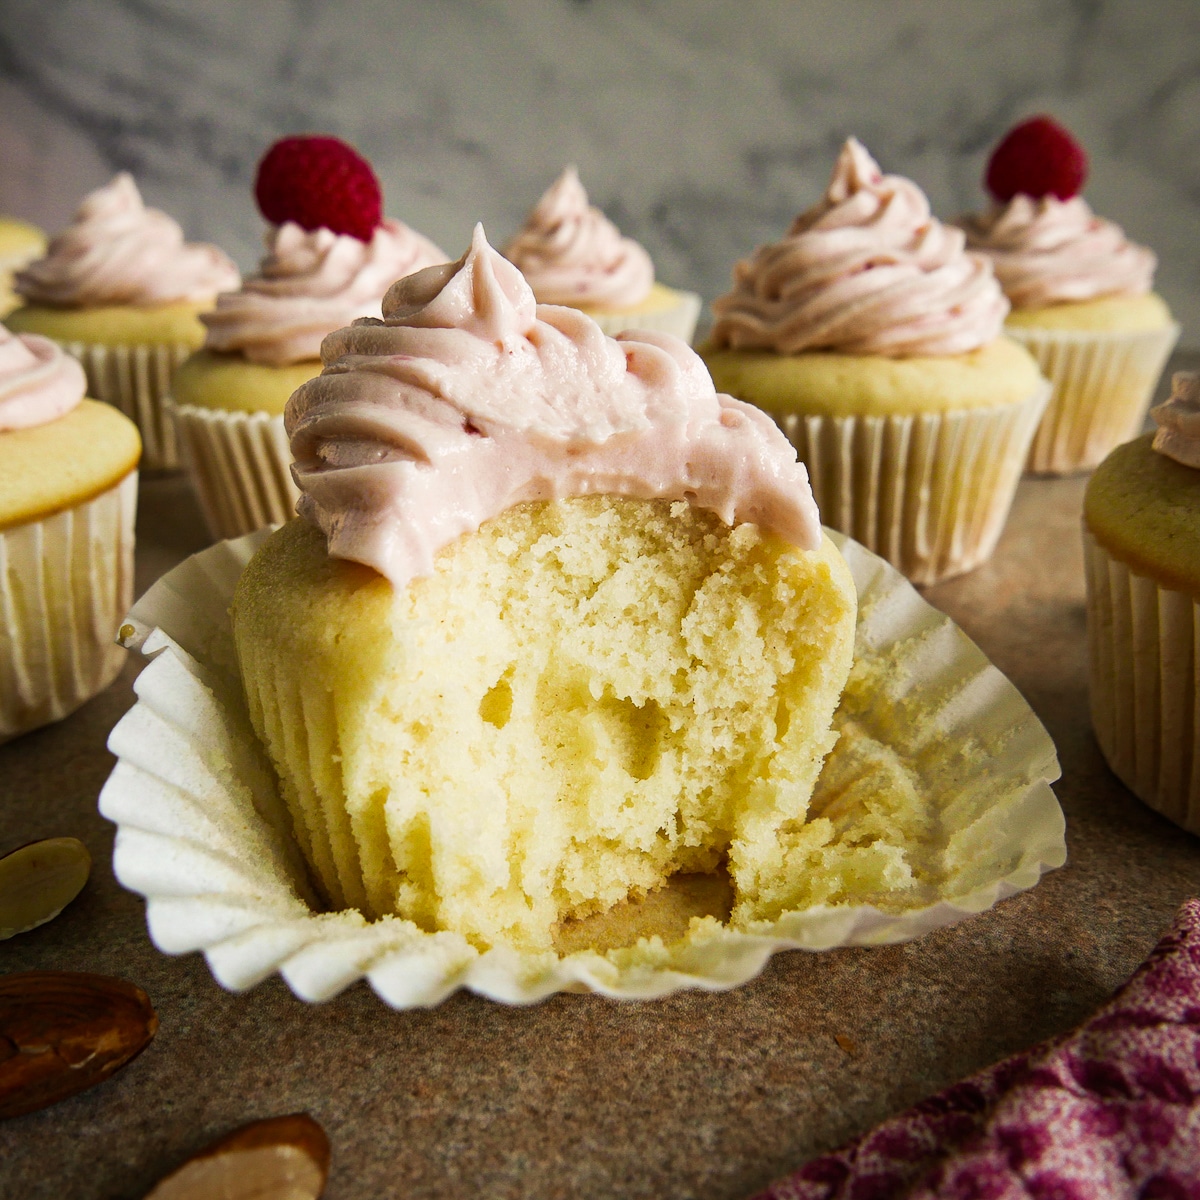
62 1032
280 1158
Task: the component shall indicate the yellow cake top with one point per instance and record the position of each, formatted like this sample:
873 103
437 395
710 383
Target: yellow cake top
1108 314
20 241
232 383
48 468
1144 509
824 383
174 323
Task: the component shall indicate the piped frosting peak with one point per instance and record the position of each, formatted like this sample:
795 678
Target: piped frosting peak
868 270
308 285
571 253
1178 420
39 382
118 251
469 398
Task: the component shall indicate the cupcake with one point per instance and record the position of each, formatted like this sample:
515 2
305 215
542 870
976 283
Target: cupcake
556 620
1141 535
1080 294
20 244
572 254
331 256
873 339
68 489
122 292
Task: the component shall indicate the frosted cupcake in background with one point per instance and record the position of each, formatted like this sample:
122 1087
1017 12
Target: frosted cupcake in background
1081 296
331 256
1141 534
874 340
20 244
68 490
123 292
572 254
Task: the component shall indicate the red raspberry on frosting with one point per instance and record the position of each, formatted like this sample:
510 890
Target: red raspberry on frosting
319 182
1036 158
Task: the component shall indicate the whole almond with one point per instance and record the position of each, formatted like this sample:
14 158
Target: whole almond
39 880
280 1158
62 1032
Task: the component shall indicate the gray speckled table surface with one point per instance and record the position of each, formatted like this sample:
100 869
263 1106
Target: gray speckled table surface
694 1096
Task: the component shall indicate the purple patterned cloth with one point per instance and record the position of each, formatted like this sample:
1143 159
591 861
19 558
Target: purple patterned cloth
1109 1111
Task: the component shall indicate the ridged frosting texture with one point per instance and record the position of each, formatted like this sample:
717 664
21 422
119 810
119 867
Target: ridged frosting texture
309 284
118 251
868 270
38 382
1178 420
1052 251
469 398
571 253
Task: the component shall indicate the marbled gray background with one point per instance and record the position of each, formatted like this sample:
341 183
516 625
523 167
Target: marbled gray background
701 126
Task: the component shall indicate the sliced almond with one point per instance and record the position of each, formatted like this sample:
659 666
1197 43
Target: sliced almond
62 1032
281 1158
39 880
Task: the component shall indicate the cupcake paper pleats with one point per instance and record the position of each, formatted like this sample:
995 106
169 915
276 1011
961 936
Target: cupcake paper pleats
68 581
135 379
240 467
929 492
1102 385
679 319
1144 660
204 835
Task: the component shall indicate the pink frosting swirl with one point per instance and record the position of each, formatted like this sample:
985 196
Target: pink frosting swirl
118 251
1178 420
309 284
868 270
571 253
469 398
1050 251
38 382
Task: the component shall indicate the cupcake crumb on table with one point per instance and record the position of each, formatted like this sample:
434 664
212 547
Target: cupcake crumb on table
875 342
68 490
1141 530
572 254
122 291
331 256
1081 296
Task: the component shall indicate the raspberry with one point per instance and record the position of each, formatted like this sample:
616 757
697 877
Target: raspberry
1037 158
319 181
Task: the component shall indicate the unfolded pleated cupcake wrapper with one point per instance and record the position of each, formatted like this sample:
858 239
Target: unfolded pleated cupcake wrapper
1102 386
204 835
239 465
931 492
135 379
679 320
1144 660
65 584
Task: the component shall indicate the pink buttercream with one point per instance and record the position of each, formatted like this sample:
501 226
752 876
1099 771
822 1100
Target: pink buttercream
309 284
469 398
118 251
38 382
1178 420
571 253
868 270
1051 251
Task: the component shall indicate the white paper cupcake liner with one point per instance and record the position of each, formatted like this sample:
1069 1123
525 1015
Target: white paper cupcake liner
930 492
679 320
1144 660
239 465
65 583
135 379
1102 386
202 829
